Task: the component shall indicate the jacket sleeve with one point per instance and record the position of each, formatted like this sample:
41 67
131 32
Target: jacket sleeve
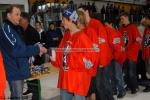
114 40
58 62
105 53
84 59
135 46
25 51
14 46
117 46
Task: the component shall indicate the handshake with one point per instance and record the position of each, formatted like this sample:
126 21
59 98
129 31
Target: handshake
50 52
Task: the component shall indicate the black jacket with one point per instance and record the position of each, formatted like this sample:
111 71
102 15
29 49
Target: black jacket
31 37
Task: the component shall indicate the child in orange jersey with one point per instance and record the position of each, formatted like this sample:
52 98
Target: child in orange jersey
102 89
146 48
132 40
76 65
116 43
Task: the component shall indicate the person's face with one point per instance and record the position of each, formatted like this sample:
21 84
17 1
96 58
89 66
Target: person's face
146 22
65 22
123 19
14 16
23 22
52 26
37 26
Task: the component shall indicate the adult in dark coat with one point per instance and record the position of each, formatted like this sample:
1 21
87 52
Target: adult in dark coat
31 37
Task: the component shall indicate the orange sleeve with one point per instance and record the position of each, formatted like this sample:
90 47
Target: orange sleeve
58 62
105 54
118 45
2 78
88 58
145 45
135 46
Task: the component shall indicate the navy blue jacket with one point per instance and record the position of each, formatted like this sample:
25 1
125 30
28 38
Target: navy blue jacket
15 52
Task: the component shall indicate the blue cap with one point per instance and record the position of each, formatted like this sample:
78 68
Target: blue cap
71 14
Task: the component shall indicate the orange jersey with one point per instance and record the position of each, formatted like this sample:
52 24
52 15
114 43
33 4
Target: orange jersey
90 32
146 44
105 55
116 43
2 78
79 61
132 40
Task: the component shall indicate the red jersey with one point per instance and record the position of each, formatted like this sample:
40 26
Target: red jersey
2 78
78 62
146 44
132 40
90 32
105 55
116 43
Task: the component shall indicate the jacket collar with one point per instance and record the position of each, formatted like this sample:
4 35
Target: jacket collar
11 24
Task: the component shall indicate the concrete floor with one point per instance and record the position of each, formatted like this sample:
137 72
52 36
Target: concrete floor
50 91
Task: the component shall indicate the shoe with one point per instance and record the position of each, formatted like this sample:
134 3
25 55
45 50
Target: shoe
115 92
127 88
27 92
121 94
134 91
147 89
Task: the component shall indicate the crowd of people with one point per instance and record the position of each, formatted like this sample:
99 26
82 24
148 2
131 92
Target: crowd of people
112 11
95 60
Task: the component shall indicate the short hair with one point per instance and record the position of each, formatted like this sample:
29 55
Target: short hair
51 23
26 16
81 17
109 21
11 7
38 22
124 14
84 7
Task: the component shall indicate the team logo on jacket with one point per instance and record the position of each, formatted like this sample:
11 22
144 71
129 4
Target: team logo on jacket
88 63
116 40
147 40
101 40
126 39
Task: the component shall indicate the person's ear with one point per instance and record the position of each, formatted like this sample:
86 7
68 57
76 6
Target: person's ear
8 15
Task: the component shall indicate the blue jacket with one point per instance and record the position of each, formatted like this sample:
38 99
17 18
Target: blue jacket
15 52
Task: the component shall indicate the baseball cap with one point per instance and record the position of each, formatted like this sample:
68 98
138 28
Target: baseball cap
71 14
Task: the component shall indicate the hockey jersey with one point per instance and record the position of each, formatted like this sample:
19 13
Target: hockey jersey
76 63
132 41
146 44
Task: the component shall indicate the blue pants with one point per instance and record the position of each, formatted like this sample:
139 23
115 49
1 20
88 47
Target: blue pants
16 89
65 95
117 77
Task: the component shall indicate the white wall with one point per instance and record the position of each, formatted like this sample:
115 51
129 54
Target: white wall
21 2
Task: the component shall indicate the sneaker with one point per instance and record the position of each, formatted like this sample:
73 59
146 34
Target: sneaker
147 89
121 94
27 92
